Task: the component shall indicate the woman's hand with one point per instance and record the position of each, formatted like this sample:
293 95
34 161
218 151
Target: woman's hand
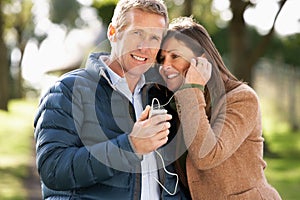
199 71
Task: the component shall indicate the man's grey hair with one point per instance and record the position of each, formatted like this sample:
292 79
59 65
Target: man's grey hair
151 6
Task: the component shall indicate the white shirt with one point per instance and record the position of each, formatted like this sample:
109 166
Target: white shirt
150 188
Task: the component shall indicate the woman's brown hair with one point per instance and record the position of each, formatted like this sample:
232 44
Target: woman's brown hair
196 37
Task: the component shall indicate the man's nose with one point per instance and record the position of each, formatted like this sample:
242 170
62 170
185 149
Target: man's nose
142 45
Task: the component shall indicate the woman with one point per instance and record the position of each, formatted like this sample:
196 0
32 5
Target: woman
220 118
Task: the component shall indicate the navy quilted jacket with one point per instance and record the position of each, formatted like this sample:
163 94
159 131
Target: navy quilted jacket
82 146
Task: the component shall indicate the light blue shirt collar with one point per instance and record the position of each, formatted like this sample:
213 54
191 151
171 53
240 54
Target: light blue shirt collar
120 83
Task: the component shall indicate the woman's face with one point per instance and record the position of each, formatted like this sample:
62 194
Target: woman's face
175 59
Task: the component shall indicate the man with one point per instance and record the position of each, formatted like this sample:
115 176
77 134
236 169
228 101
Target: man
93 139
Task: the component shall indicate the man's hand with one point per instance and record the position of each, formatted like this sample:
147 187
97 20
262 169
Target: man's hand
149 134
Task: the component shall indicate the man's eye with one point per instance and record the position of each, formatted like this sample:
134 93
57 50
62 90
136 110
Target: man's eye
156 38
137 32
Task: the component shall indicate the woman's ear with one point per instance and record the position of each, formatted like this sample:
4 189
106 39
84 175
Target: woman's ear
111 33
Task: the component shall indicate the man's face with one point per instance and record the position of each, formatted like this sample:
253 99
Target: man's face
136 46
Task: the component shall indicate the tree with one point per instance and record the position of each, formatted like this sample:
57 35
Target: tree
13 22
19 24
188 7
244 55
4 69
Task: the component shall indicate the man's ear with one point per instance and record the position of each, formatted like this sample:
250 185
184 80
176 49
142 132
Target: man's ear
111 33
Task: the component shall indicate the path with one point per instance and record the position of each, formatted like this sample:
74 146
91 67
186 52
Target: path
32 182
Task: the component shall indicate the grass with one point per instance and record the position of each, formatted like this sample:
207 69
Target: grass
283 165
16 136
283 169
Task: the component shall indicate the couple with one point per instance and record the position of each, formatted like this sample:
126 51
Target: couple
94 137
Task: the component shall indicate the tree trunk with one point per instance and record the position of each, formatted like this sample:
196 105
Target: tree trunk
188 8
238 41
4 68
18 80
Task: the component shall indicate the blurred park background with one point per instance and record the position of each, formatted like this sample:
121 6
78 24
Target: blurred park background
42 39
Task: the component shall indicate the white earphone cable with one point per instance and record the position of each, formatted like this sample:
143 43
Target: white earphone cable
170 173
162 160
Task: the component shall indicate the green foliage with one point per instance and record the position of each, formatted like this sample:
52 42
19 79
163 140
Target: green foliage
64 12
99 3
173 9
221 35
292 49
105 9
221 43
285 49
18 22
201 11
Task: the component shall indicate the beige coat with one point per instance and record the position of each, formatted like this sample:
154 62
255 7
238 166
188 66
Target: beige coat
225 156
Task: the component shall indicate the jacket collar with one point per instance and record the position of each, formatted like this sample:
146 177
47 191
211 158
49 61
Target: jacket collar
97 68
